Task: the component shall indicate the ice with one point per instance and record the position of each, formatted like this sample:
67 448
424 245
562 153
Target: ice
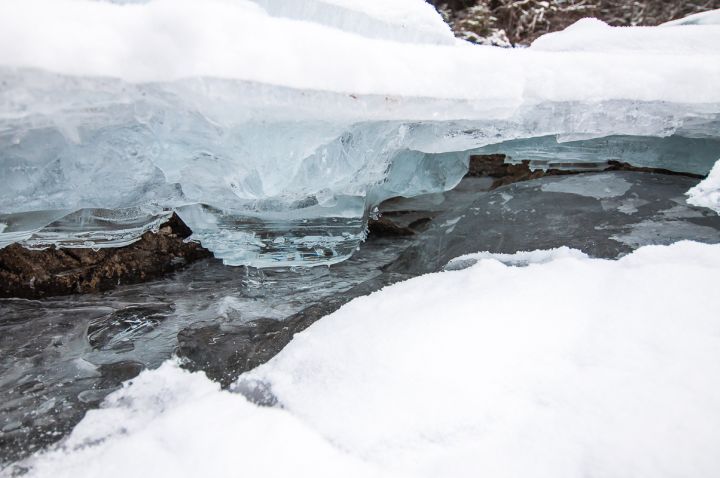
707 193
535 364
596 187
263 122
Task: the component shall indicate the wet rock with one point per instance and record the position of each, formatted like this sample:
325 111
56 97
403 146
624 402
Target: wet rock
386 227
504 173
50 272
112 375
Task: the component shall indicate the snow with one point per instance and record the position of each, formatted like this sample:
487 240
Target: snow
711 17
707 192
173 423
539 364
165 40
591 34
413 21
178 105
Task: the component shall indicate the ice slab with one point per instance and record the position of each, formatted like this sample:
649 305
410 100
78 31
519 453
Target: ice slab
259 112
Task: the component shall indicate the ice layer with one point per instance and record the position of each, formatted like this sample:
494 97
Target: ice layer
274 127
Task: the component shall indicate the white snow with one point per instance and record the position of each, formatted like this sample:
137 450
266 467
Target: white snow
400 20
164 40
566 367
173 423
707 192
711 17
591 34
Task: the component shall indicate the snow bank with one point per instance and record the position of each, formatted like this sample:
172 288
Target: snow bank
173 423
704 18
593 35
707 192
165 40
565 367
412 21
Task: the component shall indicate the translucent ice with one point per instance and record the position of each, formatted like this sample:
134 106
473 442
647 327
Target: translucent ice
272 127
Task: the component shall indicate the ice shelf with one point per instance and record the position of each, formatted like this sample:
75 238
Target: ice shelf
273 128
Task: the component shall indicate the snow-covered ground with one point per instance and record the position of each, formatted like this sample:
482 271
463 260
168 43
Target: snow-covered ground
548 364
707 193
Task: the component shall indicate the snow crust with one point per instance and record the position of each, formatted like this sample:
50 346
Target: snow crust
540 364
166 40
704 18
707 192
591 34
237 112
412 21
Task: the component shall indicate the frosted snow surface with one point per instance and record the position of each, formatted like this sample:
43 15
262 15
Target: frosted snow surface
272 127
541 364
704 18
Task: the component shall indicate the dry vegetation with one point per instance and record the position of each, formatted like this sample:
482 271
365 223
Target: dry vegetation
519 22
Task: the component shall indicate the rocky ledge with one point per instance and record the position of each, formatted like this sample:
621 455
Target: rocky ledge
33 274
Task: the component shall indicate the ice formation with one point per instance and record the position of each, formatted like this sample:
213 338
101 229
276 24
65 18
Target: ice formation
272 127
542 364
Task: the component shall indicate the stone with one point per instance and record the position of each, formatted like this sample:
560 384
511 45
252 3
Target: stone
50 272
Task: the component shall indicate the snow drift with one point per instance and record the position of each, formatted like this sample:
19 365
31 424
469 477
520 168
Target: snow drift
707 193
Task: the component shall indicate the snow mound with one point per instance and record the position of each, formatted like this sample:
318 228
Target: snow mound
174 423
707 193
519 259
565 367
591 34
704 18
412 21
